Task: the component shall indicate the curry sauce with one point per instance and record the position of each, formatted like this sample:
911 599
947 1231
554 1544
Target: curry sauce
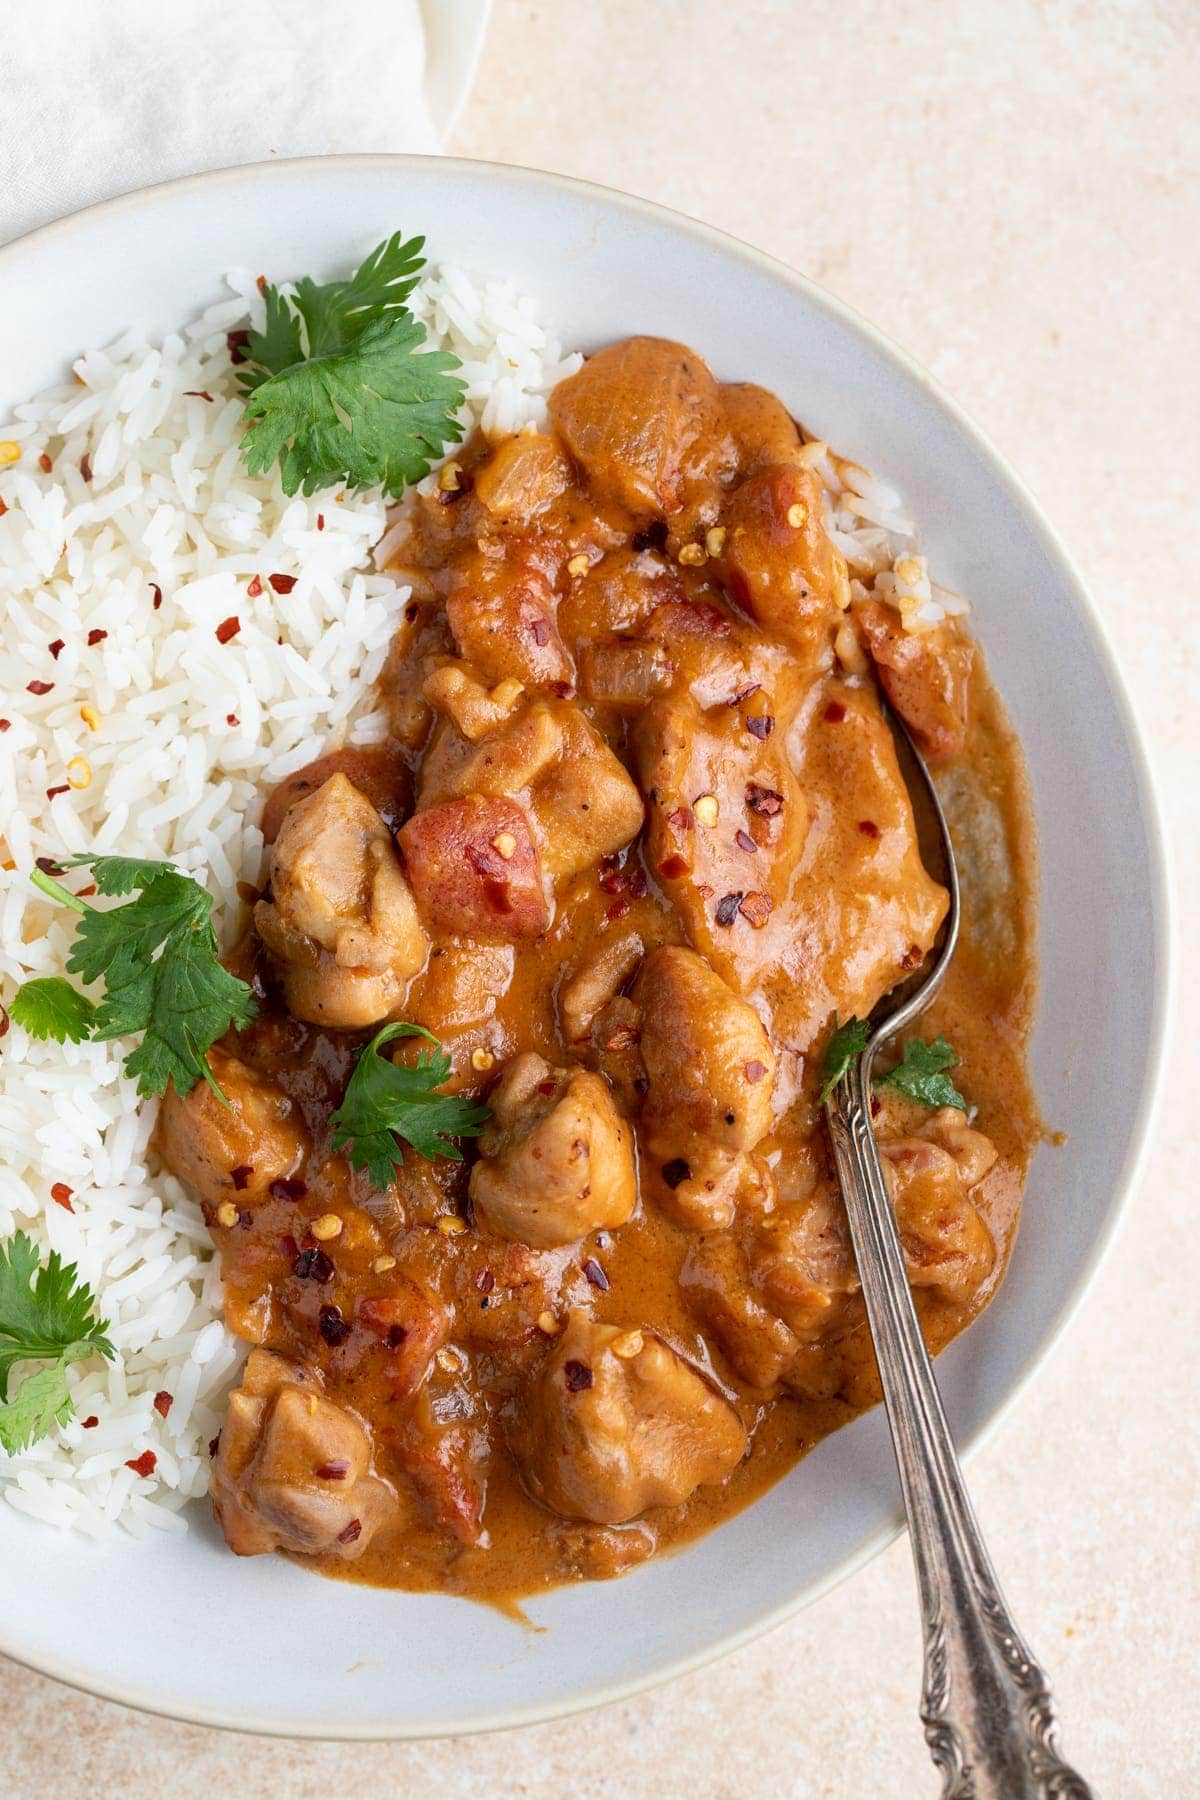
636 840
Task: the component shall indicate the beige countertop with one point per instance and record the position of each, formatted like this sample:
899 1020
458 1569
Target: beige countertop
1009 188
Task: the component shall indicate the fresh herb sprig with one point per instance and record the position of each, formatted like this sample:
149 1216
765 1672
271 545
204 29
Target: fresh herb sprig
920 1074
337 387
46 1315
385 1102
157 956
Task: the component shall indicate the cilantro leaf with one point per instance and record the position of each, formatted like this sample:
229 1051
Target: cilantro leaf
338 312
49 1007
848 1041
385 1101
335 389
372 413
46 1315
157 956
920 1074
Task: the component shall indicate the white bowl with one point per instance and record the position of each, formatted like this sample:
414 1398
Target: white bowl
178 1626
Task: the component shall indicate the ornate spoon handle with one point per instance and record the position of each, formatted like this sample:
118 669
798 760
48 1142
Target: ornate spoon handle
986 1704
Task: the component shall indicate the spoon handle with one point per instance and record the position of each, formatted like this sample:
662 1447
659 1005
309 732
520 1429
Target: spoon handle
986 1704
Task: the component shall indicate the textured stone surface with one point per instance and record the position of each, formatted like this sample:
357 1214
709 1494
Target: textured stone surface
1009 189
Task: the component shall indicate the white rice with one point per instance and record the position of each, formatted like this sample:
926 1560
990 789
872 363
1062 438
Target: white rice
187 733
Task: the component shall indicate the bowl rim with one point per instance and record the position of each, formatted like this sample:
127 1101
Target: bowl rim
1163 924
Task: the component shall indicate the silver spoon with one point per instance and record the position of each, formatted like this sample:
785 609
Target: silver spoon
986 1705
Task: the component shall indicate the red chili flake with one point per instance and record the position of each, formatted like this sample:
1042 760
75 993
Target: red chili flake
350 1533
913 957
611 879
835 712
654 537
546 1087
56 648
52 793
320 521
763 800
745 842
754 1071
757 908
232 719
637 884
760 725
214 1444
395 1336
157 592
289 1249
3 508
596 1275
163 1402
577 1376
60 1193
261 284
96 637
255 587
236 342
84 892
288 1187
672 867
197 394
4 1021
48 866
241 1175
334 1328
91 1422
5 724
743 694
876 1106
145 1464
541 633
245 1219
675 1172
411 611
681 818
283 584
727 908
44 463
228 628
335 1470
485 1281
85 466
38 687
313 1265
616 911
868 827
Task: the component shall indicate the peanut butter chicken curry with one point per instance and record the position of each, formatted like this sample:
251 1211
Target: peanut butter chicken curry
637 840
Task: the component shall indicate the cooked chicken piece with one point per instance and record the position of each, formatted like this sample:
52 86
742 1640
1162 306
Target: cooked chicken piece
461 986
502 612
617 1421
764 431
475 869
802 1263
235 1151
556 1161
716 1285
946 1244
711 1070
974 1153
549 757
643 420
778 561
925 674
341 920
522 477
594 982
380 772
293 1471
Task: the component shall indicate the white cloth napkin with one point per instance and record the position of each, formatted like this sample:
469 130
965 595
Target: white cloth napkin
101 96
